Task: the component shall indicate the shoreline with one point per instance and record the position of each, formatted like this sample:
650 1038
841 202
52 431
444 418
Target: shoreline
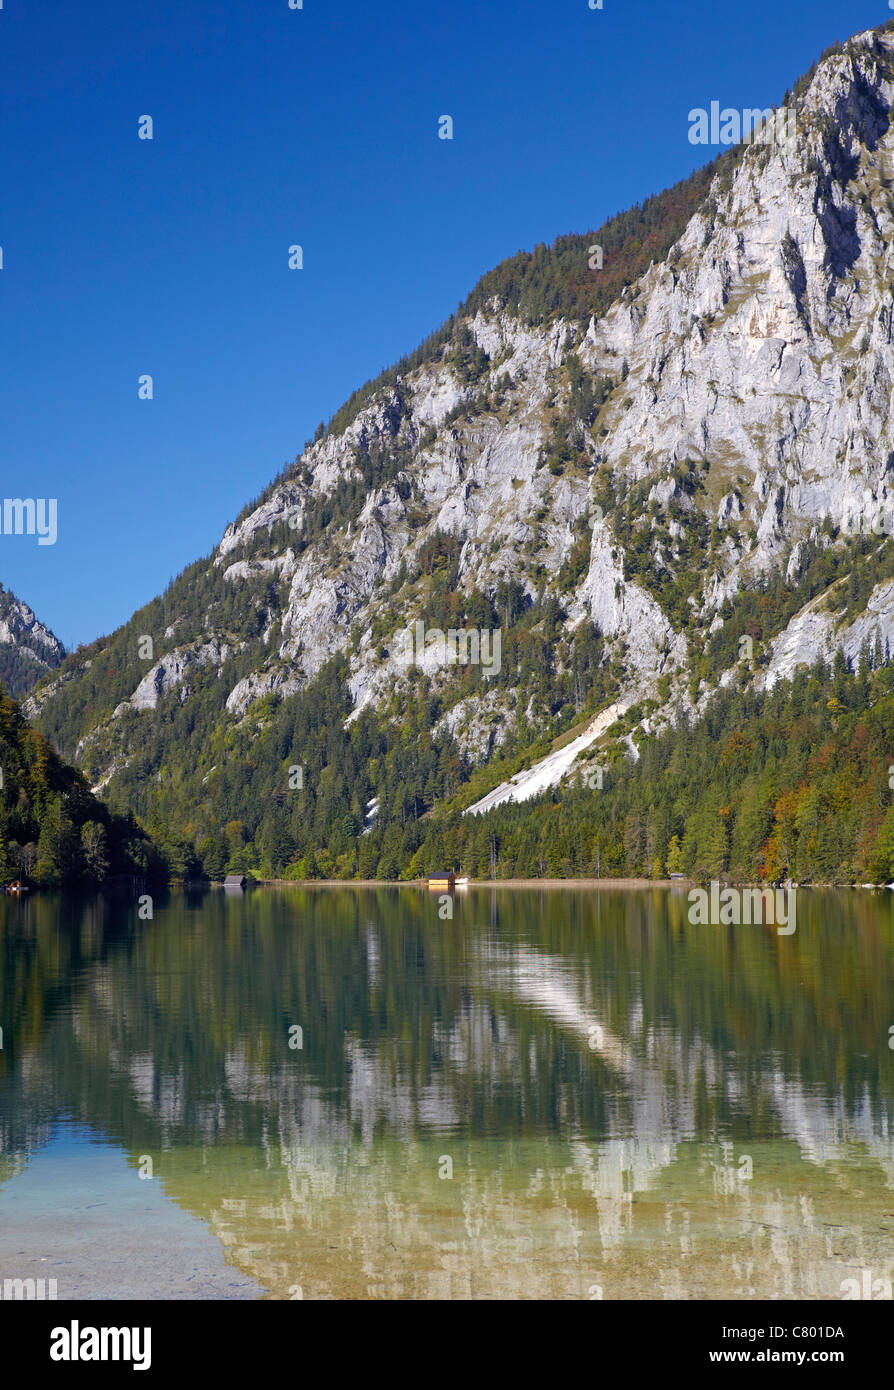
422 883
551 883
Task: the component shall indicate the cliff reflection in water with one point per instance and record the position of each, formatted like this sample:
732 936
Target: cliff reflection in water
600 1075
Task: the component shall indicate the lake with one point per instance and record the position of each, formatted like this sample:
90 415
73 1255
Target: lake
334 1093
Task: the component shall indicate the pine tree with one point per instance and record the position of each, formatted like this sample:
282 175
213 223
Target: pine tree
674 861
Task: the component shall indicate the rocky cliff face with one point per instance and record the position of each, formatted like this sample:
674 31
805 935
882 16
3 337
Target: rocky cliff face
735 425
28 650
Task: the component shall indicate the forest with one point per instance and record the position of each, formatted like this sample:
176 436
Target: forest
53 830
795 782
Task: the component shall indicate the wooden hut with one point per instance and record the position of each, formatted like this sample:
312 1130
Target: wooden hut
442 883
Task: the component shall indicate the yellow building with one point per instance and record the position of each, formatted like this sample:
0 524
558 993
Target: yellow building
442 883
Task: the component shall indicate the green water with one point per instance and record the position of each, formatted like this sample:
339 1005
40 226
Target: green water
561 1094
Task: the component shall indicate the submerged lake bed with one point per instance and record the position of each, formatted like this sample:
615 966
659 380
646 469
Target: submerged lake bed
334 1093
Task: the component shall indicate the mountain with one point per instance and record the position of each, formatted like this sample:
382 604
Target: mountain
642 493
28 650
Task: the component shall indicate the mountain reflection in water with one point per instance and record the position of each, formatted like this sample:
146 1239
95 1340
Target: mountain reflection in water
630 1106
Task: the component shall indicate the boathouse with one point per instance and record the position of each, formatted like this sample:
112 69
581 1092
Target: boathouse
442 883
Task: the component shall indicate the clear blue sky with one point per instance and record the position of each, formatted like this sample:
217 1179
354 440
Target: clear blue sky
316 126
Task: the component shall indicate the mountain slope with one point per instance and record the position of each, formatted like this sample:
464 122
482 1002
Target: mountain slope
53 831
641 481
28 650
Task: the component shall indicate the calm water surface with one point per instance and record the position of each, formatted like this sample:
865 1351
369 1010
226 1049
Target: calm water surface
561 1094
